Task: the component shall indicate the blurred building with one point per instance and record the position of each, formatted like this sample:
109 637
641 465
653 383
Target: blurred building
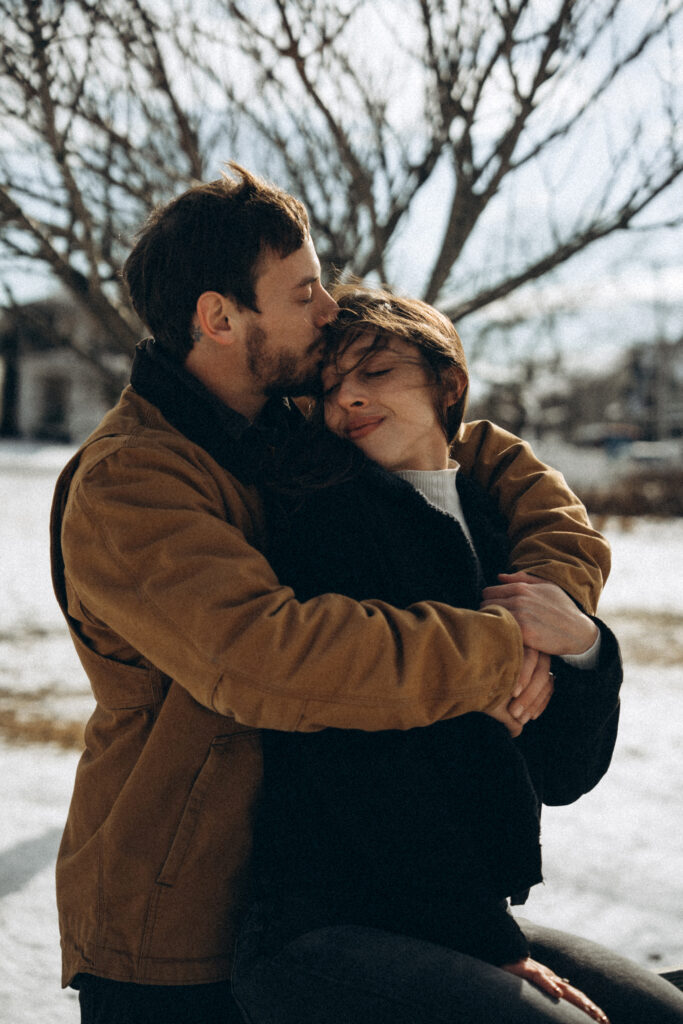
638 399
641 399
49 391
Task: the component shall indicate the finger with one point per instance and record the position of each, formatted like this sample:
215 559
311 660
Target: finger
535 709
538 974
528 666
541 690
547 983
514 589
512 725
543 699
503 600
520 577
524 703
580 999
505 590
524 709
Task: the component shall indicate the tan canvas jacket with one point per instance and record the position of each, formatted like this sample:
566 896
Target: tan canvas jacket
191 646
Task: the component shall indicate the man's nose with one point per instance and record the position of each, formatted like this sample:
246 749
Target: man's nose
327 311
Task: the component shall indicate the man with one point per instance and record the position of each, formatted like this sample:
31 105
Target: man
190 643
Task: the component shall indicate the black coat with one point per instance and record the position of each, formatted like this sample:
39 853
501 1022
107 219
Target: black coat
426 831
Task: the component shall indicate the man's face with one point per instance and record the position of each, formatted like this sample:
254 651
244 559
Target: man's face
283 340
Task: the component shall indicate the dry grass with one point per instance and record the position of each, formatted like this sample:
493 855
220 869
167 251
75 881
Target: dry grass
24 730
648 637
653 492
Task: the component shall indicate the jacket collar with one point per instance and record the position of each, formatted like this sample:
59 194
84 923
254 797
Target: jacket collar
235 443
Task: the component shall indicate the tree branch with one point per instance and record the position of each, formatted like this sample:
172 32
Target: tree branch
617 221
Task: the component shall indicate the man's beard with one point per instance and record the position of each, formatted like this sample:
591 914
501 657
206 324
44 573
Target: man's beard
282 373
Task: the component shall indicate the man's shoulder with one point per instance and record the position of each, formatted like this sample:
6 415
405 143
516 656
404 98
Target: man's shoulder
132 422
135 430
136 448
137 473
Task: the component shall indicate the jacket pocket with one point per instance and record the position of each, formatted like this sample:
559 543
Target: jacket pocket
221 769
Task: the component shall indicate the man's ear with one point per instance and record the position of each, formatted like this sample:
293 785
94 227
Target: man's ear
215 317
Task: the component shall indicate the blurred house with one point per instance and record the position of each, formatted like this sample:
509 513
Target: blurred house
51 390
640 399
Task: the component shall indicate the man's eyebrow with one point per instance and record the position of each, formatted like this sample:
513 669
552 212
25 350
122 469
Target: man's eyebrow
306 281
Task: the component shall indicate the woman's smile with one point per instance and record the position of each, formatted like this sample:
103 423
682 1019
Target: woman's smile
358 427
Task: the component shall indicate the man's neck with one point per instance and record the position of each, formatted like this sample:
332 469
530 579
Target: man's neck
249 406
224 381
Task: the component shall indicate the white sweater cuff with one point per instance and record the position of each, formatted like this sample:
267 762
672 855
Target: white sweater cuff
588 659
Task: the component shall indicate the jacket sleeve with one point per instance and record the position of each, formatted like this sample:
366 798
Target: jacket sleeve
150 554
569 748
549 530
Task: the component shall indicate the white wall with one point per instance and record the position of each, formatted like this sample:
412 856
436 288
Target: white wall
73 387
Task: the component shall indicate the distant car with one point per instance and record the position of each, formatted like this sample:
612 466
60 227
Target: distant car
656 454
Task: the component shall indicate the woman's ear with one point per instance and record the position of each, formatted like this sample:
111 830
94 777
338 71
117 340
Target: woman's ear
455 382
214 319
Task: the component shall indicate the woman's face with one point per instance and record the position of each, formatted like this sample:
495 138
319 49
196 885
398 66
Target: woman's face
385 404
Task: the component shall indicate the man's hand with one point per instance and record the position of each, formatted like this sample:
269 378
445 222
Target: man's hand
530 696
561 988
548 618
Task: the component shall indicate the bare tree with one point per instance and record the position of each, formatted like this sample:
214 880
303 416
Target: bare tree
96 128
488 140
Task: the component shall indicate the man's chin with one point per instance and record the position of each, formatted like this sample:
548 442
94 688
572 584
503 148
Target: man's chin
303 387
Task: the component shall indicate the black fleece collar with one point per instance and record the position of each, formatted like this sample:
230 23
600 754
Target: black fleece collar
235 443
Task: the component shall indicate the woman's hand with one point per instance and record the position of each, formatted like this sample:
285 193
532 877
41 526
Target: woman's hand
534 689
548 618
561 988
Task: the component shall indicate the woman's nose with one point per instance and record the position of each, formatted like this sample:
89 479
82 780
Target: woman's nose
350 395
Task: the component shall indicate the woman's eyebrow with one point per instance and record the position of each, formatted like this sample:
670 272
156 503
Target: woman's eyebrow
375 352
338 364
357 359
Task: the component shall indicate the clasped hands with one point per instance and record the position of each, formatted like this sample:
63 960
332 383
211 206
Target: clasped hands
550 623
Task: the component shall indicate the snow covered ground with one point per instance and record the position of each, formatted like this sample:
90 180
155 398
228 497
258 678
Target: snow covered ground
613 862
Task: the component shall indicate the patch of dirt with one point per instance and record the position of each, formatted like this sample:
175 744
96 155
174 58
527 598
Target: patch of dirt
648 638
41 716
21 730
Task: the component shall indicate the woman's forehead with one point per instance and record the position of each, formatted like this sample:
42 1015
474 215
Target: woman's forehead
347 357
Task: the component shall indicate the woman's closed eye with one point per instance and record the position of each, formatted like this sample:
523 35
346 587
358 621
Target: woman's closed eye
377 373
328 392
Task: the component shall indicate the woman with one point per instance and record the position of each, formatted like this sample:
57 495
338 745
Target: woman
384 861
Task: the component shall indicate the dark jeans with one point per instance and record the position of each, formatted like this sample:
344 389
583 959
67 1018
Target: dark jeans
116 1002
355 975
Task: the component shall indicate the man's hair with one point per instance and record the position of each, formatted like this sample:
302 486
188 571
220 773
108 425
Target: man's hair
211 238
364 309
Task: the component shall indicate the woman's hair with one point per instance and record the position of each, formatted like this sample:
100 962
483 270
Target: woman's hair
364 309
